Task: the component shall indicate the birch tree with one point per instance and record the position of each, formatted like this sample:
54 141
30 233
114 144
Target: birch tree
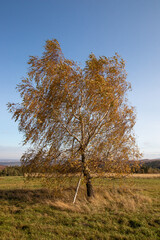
74 115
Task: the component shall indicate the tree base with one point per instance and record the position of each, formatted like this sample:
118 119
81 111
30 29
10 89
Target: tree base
89 187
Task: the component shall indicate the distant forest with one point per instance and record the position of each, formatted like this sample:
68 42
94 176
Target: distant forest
147 166
11 171
153 164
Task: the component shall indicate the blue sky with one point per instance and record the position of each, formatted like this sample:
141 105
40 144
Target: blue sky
131 28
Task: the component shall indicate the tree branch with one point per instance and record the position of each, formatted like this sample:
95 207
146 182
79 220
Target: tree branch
72 135
93 133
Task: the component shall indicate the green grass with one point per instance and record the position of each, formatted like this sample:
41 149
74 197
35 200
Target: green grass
28 211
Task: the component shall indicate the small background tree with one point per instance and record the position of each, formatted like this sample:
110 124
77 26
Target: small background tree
76 119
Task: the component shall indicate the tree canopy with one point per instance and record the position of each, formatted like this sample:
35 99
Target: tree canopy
74 116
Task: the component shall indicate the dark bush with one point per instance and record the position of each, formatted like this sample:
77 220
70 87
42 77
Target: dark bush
11 171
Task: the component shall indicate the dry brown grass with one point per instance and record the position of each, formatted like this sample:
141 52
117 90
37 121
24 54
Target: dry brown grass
96 175
109 196
135 175
146 175
114 199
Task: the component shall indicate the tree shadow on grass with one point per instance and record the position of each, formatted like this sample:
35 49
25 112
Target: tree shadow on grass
41 195
28 196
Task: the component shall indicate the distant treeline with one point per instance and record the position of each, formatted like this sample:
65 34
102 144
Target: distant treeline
11 171
153 164
146 167
149 167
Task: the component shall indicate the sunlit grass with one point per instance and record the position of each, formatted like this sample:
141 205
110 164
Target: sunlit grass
18 182
122 209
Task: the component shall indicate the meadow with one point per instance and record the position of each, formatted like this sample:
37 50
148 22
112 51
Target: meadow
122 209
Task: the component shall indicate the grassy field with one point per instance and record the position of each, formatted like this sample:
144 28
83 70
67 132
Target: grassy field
122 209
